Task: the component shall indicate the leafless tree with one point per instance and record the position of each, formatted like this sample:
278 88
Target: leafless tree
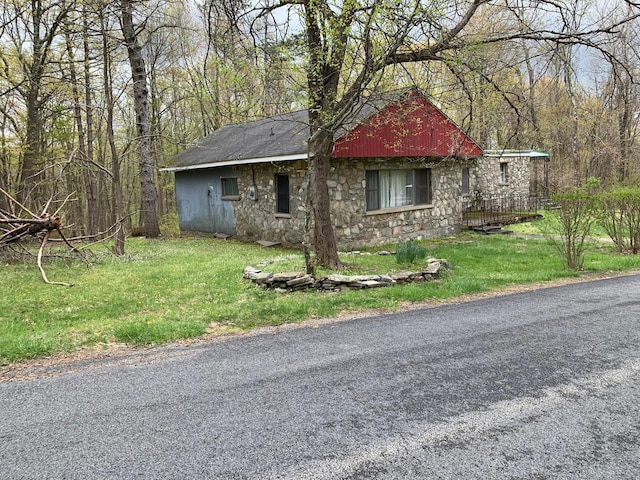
33 31
141 104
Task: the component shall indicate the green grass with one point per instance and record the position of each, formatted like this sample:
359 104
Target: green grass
549 225
164 290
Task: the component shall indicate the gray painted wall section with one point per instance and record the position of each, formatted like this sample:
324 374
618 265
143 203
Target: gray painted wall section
200 204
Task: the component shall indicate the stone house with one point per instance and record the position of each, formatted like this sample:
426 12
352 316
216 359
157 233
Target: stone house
512 173
399 171
508 186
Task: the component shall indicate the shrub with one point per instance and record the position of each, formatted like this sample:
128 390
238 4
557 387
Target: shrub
618 212
409 252
575 216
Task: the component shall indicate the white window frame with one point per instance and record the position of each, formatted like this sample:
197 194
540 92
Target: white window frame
504 173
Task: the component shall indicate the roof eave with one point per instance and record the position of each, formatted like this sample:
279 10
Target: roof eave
243 161
515 153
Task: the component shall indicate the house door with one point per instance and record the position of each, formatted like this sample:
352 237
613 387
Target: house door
221 213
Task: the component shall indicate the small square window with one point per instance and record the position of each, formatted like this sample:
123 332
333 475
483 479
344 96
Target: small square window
230 187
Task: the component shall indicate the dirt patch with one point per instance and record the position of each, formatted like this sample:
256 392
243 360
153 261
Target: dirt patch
121 354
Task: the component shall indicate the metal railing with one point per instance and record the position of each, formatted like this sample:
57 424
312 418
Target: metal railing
484 210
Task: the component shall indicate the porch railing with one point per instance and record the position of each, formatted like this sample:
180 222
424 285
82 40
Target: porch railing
481 210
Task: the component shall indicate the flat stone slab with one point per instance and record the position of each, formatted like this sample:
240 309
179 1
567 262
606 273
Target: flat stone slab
267 243
286 276
262 277
337 278
433 268
372 284
300 281
403 275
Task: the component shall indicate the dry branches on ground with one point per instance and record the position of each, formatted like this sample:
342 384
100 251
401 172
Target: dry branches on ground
15 228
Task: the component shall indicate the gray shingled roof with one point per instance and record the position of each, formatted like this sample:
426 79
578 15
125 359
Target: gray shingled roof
276 136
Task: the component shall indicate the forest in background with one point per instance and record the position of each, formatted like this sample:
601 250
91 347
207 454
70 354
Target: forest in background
78 77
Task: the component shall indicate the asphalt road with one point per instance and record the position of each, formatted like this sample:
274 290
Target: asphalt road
537 385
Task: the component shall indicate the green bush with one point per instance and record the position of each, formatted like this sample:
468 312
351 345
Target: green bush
409 252
618 212
575 217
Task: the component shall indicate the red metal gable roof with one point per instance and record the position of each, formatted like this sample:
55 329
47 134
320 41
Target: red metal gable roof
411 127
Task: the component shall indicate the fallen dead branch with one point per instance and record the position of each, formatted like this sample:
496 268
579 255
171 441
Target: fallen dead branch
15 229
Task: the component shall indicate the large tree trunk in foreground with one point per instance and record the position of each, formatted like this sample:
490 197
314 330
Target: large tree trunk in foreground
323 75
324 239
141 104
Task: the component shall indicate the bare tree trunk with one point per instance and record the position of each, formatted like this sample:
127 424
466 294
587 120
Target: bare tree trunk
116 185
566 57
157 144
39 35
88 173
141 105
32 164
32 159
5 172
85 153
532 101
624 134
323 76
623 106
575 147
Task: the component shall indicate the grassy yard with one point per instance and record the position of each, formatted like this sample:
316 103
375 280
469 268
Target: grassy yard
164 290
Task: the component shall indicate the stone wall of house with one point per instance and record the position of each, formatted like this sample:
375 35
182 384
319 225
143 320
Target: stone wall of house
256 219
488 181
354 226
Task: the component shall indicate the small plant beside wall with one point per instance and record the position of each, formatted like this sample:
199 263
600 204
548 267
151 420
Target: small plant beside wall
410 252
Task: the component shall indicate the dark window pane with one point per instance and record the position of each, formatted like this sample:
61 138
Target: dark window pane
282 193
230 187
465 181
504 172
372 190
406 197
422 186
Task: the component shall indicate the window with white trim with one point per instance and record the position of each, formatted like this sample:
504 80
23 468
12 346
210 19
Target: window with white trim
504 172
397 188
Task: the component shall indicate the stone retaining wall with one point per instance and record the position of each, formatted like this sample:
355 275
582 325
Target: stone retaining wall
295 281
